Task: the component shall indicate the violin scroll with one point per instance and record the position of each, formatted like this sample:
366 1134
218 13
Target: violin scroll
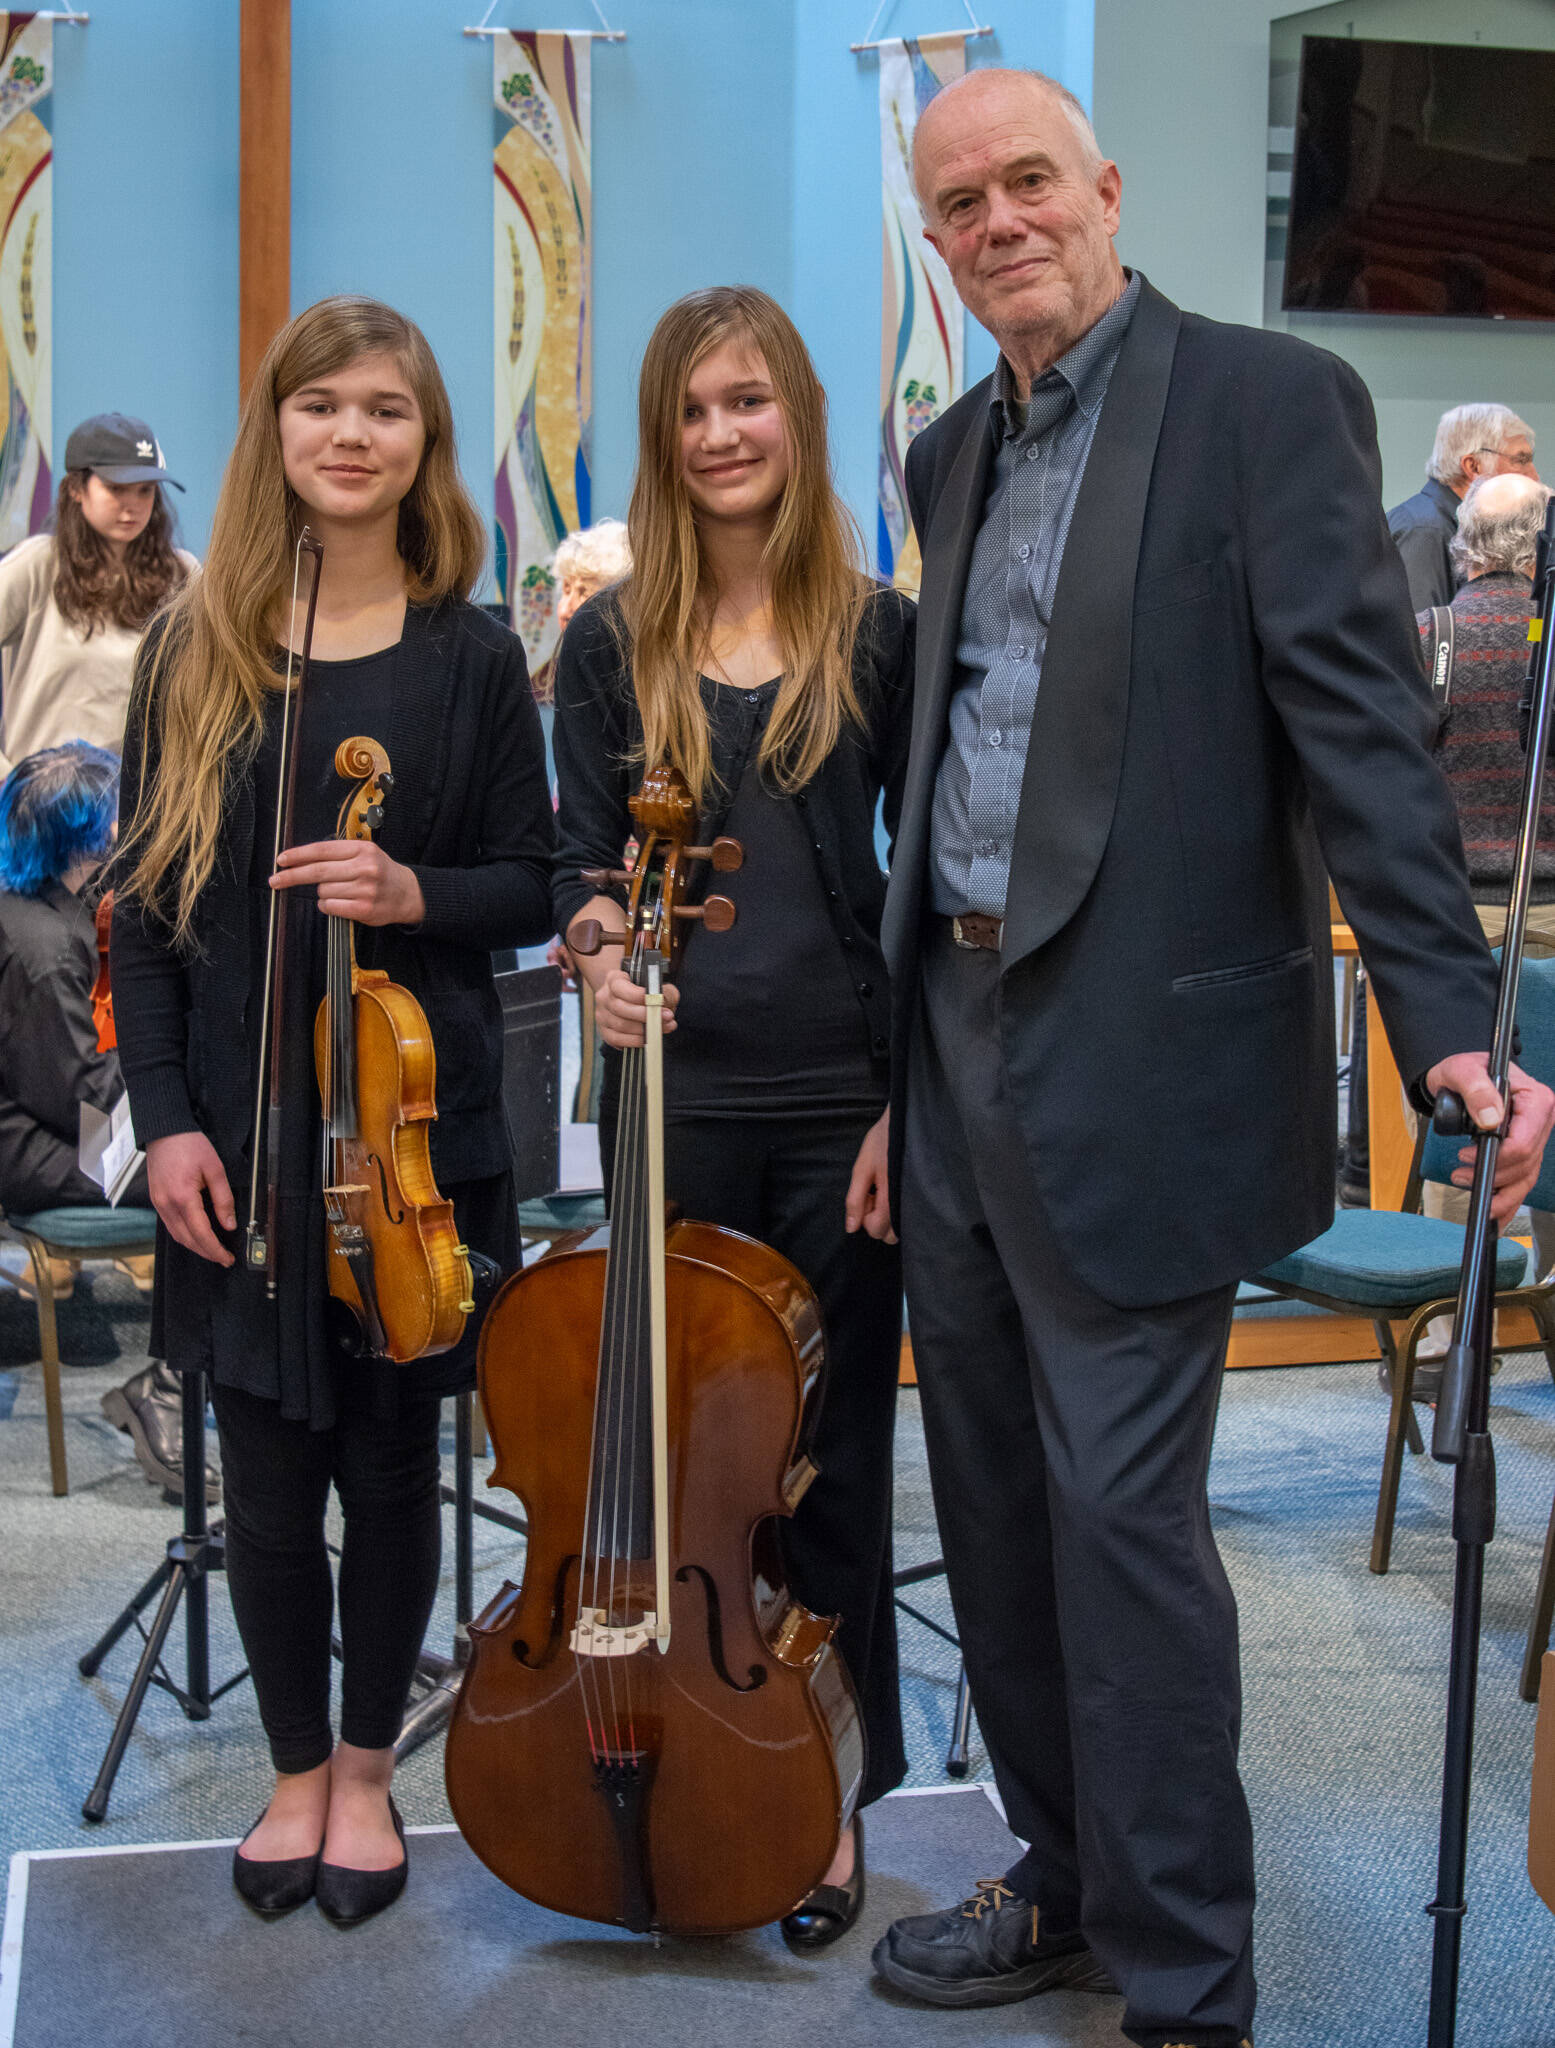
364 762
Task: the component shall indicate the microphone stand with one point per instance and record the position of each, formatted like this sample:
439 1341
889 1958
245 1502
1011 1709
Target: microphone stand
1461 1437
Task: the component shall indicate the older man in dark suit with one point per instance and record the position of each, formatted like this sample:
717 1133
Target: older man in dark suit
1165 670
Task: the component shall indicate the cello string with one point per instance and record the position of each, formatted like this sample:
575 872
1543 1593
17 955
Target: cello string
588 1576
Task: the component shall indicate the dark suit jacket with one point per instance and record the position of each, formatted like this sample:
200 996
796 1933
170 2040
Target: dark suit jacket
1421 528
1231 695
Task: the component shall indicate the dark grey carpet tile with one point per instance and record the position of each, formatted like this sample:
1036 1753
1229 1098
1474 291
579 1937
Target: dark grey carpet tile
175 1956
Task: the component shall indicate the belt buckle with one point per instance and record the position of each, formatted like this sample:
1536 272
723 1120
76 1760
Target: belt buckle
967 945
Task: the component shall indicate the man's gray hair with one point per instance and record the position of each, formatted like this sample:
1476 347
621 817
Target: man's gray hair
601 552
1488 543
1073 111
1472 430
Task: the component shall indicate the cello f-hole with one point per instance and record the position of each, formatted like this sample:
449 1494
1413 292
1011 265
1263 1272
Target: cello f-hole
715 1630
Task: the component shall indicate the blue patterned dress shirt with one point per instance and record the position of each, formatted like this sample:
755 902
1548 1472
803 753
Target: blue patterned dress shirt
1033 482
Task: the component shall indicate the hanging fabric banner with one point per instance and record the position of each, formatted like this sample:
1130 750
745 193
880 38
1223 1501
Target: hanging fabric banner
544 319
921 326
26 156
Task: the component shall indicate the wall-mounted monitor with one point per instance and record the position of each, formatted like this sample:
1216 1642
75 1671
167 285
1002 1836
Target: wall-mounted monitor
1423 181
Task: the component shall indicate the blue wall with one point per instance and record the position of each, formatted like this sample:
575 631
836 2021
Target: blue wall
734 140
145 231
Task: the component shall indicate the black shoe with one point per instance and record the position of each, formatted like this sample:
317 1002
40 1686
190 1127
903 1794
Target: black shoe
348 1896
149 1409
825 1915
274 1888
988 1951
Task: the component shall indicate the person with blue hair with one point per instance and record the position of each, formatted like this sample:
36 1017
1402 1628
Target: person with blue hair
58 817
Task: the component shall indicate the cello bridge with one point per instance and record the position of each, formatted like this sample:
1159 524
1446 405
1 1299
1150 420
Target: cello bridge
594 1634
337 1201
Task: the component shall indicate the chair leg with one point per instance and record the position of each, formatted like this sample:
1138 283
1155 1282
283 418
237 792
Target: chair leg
48 1352
1402 1427
1546 1329
1542 1618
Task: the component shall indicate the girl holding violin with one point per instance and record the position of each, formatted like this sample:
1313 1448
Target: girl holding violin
347 431
748 650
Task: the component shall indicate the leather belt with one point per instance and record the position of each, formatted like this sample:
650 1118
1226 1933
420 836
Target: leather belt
977 932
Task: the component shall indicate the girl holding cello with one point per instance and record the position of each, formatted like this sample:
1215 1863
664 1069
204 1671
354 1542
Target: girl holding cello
347 431
748 650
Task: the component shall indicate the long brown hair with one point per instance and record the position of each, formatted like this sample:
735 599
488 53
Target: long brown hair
215 663
95 588
813 558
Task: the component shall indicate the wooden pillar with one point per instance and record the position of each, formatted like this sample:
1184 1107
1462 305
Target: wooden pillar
265 181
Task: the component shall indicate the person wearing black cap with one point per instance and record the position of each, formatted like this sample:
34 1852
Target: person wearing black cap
73 606
74 602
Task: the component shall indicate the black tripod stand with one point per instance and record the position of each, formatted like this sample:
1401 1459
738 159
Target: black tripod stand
182 1576
961 1719
1461 1437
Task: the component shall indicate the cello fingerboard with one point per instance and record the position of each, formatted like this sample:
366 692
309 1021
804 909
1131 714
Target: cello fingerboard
620 1511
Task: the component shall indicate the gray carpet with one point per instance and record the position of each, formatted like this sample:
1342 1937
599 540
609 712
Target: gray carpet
1345 1683
466 1959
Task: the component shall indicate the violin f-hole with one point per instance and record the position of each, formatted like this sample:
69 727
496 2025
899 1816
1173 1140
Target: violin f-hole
715 1630
383 1183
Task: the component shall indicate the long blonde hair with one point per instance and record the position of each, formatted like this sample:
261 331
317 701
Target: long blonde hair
214 665
813 559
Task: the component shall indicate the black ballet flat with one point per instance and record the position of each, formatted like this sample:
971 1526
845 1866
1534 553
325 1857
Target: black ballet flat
275 1888
825 1915
349 1896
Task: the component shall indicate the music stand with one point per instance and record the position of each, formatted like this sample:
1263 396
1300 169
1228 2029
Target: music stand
181 1577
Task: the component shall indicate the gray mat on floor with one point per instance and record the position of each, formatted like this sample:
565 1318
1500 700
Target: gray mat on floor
149 1946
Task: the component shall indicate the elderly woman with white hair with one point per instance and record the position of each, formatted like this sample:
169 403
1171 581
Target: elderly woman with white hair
588 562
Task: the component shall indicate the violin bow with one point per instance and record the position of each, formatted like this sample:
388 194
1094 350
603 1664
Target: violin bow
260 1241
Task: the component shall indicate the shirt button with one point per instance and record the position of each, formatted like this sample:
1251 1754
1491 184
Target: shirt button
987 848
996 738
1019 653
1032 454
866 988
1024 550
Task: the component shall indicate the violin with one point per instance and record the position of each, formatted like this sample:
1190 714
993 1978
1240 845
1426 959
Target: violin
651 1731
393 1256
102 987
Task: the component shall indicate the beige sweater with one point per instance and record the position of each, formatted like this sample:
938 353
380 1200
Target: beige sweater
59 685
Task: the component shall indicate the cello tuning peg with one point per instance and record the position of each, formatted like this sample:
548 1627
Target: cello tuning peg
727 855
386 779
373 816
590 935
601 878
717 913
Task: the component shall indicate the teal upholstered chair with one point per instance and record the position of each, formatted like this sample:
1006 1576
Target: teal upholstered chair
1402 1267
76 1233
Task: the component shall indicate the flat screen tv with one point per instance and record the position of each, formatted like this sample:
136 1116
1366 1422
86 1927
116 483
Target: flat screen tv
1423 181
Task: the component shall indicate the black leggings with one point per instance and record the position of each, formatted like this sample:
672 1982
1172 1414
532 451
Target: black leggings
276 1477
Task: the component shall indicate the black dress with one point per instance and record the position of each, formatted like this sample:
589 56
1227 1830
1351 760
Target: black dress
776 1070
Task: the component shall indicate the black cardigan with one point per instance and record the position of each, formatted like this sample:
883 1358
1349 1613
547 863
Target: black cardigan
597 740
470 814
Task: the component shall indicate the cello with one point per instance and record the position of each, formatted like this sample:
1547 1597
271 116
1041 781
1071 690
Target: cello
393 1256
651 1731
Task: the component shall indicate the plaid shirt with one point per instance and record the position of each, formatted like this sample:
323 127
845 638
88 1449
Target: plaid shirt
1479 746
1033 482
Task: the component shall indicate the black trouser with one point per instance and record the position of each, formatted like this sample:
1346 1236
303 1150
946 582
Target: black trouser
783 1181
1069 1446
276 1477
